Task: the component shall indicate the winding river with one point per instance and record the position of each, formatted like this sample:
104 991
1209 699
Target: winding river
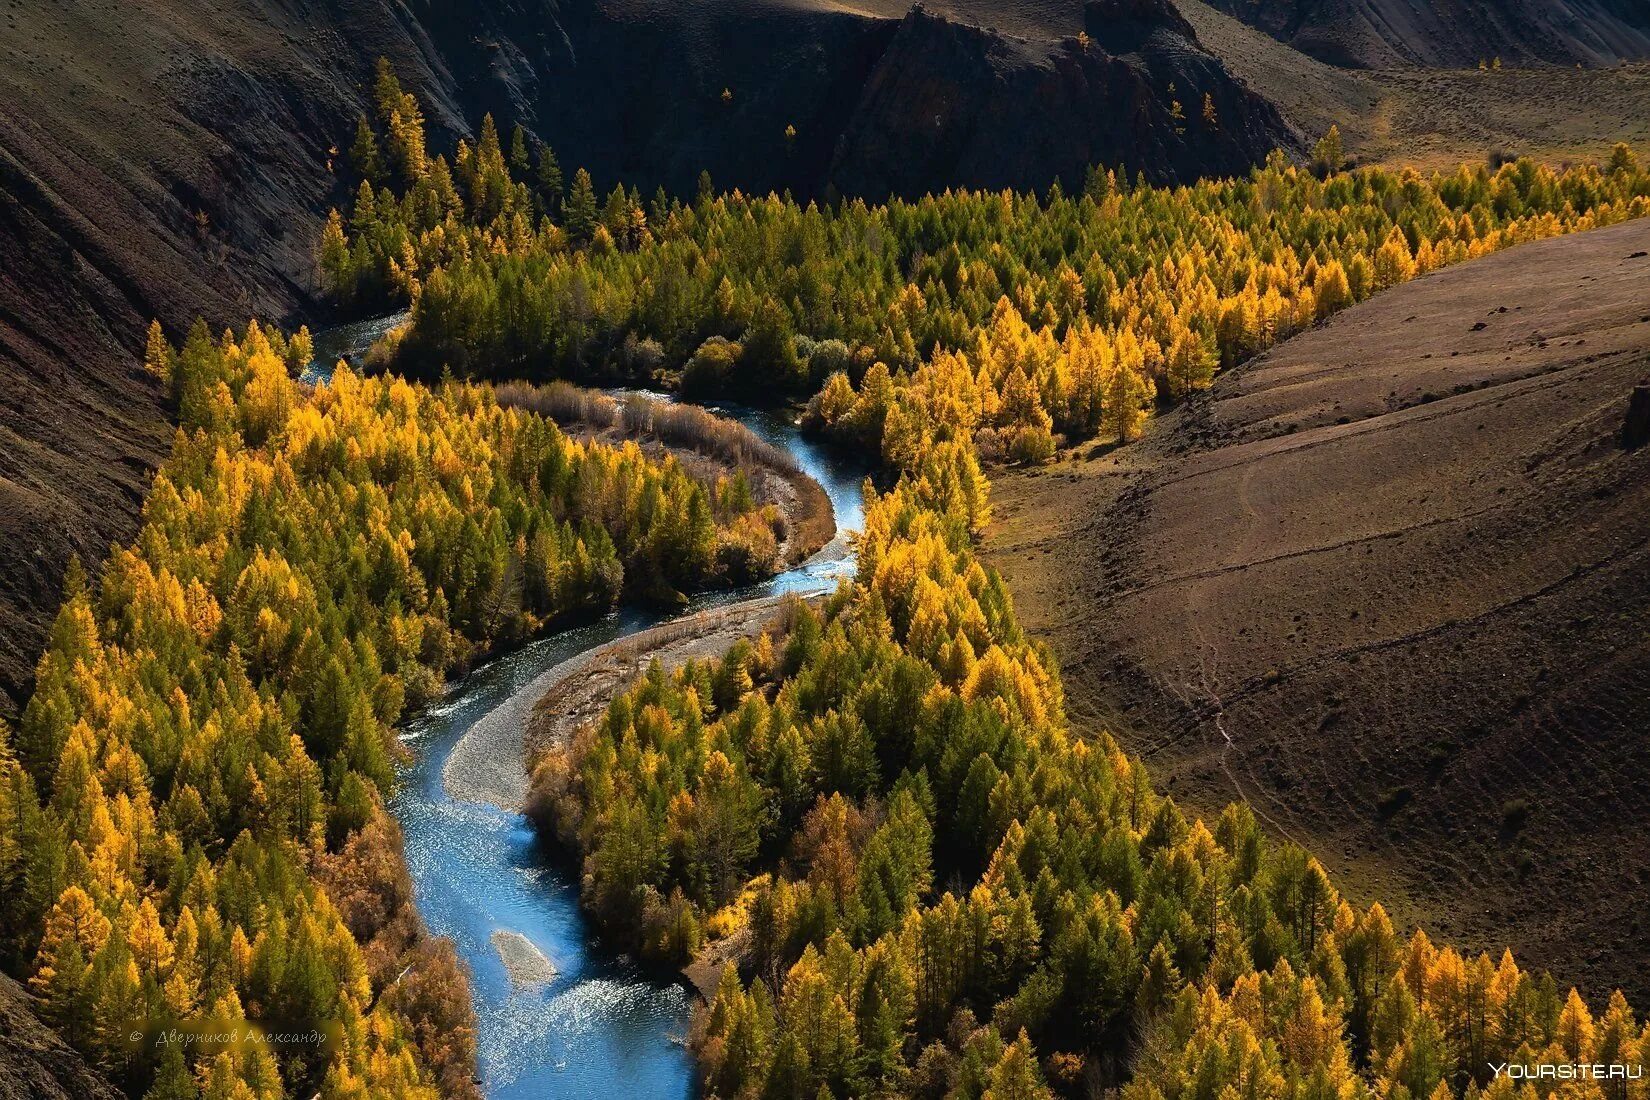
602 1025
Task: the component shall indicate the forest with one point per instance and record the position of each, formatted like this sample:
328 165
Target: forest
941 888
1016 321
935 886
946 892
192 811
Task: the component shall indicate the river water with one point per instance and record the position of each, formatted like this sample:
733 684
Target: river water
348 342
603 1025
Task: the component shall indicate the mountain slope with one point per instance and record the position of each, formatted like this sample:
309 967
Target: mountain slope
950 102
1453 33
875 97
1437 118
34 1062
1389 582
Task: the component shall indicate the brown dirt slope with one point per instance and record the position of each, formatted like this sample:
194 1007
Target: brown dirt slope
1383 33
1391 583
1437 118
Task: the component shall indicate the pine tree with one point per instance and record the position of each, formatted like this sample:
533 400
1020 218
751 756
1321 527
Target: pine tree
549 181
581 211
173 1081
769 358
520 163
1394 263
1015 1076
1127 397
1623 160
1327 155
387 94
364 158
157 356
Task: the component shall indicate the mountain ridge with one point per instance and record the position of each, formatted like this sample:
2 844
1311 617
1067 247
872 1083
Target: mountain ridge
1452 33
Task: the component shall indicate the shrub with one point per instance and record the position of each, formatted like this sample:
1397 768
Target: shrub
712 367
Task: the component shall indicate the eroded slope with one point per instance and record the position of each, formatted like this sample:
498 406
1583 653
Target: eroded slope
1390 584
1453 33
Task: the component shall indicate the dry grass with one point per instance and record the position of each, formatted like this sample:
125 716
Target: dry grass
686 426
1438 118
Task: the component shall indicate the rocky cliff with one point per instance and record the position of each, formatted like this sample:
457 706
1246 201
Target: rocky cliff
954 103
34 1063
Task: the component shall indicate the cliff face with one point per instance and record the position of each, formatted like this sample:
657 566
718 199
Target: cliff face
883 98
1453 33
953 103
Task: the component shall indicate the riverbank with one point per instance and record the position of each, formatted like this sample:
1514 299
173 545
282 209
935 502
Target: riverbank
707 444
490 763
480 867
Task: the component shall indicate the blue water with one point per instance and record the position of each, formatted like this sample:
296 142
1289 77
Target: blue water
603 1026
349 342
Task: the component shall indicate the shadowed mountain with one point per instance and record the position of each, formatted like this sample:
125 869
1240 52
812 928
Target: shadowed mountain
950 102
876 98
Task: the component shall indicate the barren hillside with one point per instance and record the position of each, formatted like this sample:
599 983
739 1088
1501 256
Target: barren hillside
1437 118
1453 33
1389 582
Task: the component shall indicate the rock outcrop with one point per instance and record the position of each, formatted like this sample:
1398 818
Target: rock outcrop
35 1063
1635 429
955 104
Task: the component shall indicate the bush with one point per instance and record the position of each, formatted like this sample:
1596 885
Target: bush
748 550
1393 800
641 358
823 358
1033 446
769 362
670 931
712 367
685 426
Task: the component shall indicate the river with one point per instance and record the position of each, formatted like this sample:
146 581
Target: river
349 342
603 1025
